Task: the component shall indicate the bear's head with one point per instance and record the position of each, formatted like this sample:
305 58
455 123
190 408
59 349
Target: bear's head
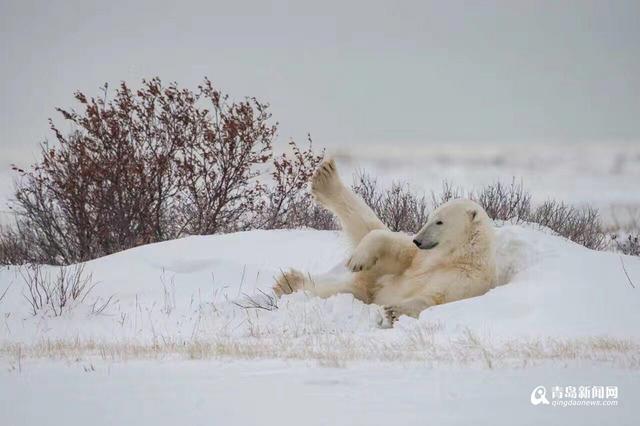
454 225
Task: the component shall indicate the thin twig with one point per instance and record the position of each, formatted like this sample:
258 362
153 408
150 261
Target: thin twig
270 304
4 293
626 273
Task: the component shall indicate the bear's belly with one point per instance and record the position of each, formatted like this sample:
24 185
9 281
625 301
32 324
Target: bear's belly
394 289
436 287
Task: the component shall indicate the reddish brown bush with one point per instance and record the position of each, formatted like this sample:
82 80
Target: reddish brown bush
150 165
288 203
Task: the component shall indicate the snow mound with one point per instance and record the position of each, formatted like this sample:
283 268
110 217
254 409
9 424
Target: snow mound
201 288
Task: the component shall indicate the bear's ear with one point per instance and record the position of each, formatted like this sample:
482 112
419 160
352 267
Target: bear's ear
473 214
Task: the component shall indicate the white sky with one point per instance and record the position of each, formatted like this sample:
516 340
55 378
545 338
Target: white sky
378 71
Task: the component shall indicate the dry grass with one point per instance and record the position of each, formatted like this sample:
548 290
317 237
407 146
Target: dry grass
54 293
420 344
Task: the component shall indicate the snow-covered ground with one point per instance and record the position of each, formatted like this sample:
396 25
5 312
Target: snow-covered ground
181 342
199 392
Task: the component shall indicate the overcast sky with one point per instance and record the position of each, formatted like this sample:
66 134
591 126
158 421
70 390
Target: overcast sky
382 72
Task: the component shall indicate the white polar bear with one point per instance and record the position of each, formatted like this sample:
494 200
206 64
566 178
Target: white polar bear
451 257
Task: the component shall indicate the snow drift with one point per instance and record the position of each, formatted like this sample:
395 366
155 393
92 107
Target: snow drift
202 288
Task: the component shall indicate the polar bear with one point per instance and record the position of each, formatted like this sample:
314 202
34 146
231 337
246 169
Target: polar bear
450 258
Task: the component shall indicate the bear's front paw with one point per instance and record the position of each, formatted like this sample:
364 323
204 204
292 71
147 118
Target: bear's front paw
325 180
289 282
361 261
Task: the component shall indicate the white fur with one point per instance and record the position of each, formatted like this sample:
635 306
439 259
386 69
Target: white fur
388 268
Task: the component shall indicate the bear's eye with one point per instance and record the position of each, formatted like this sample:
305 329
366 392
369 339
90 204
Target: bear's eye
439 222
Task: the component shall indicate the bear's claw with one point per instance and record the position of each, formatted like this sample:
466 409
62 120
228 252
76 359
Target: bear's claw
359 263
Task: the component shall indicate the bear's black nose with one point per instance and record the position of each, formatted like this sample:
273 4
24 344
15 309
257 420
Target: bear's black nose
416 242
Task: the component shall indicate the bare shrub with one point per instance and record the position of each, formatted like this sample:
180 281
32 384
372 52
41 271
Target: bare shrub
501 202
311 215
56 294
398 207
581 225
368 189
512 203
13 248
448 192
629 246
624 230
402 210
